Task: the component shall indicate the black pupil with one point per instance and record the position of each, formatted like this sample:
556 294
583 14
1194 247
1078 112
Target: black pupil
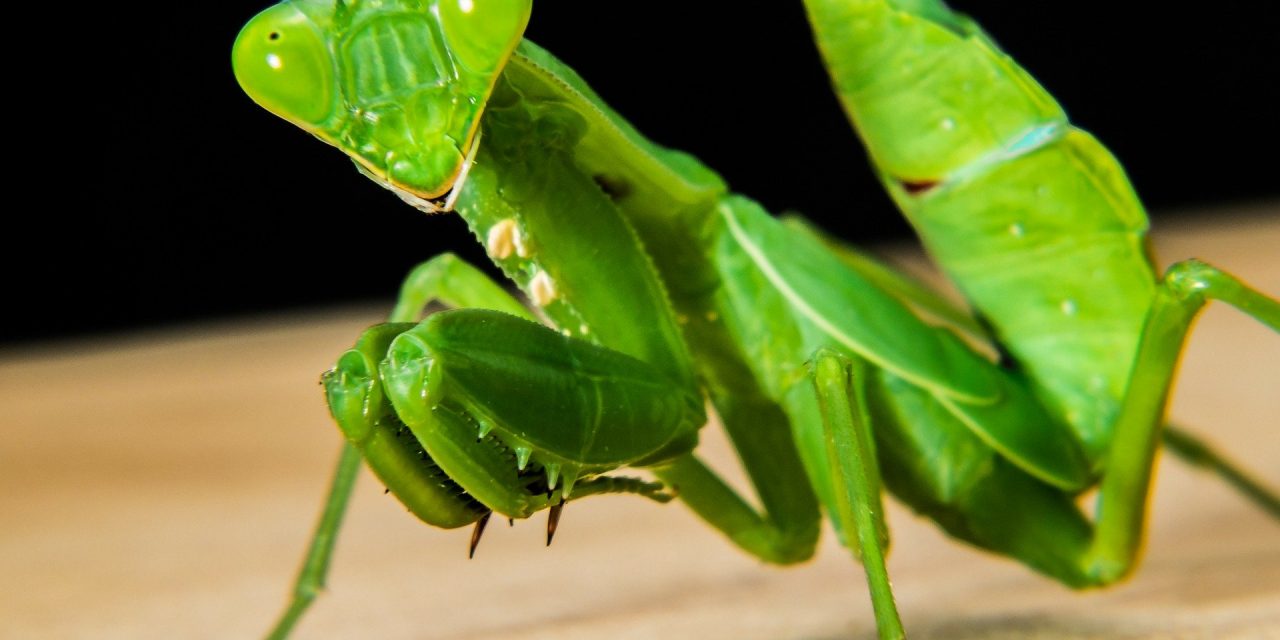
273 36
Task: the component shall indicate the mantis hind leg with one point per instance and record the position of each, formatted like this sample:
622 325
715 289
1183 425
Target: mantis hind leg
446 279
1070 549
1180 442
1198 453
1014 514
841 385
1186 288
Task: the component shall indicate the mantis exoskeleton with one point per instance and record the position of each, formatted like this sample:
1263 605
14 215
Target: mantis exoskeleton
662 290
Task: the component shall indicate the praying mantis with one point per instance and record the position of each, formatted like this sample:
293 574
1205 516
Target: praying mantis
660 297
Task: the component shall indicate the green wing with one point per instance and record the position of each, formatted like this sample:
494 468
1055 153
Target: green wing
819 290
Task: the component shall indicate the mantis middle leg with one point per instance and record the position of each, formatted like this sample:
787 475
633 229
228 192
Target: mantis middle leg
841 386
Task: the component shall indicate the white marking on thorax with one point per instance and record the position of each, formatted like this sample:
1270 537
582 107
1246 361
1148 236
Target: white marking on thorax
500 241
521 243
542 289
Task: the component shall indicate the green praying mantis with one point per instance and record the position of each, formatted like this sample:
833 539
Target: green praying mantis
659 297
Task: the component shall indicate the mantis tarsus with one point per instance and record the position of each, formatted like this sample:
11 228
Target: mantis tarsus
663 290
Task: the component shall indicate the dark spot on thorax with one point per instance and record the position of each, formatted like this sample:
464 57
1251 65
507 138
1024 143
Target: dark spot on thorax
614 187
918 187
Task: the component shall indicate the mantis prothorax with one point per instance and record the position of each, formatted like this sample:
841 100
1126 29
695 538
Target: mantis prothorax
660 289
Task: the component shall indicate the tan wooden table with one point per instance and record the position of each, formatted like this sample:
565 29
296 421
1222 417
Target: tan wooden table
164 485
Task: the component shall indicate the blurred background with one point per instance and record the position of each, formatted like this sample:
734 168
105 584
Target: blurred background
199 204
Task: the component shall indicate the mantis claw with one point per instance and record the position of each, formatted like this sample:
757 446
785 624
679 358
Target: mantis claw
477 532
553 520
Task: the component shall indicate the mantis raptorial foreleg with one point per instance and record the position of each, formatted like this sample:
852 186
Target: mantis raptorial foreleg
453 282
444 279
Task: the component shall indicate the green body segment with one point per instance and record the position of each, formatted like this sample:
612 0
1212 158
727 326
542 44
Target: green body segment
397 84
638 174
1061 217
667 198
522 197
1032 219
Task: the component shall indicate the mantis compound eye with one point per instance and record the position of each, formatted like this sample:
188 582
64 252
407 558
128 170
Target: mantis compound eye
482 33
282 62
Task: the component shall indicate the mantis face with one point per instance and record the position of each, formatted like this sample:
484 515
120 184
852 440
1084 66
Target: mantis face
398 85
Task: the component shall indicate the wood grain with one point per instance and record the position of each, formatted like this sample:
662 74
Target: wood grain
164 486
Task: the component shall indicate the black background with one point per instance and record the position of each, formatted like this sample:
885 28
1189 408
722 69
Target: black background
183 200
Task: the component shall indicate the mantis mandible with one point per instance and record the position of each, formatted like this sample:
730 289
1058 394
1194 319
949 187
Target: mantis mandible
660 292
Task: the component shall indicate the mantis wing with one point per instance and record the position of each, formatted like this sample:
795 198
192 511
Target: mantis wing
854 314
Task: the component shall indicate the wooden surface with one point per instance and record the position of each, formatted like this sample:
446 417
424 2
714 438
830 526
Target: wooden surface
164 486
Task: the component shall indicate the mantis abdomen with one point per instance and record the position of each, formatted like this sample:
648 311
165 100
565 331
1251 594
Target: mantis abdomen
1032 218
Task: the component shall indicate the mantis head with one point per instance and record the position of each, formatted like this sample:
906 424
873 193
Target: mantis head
398 85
